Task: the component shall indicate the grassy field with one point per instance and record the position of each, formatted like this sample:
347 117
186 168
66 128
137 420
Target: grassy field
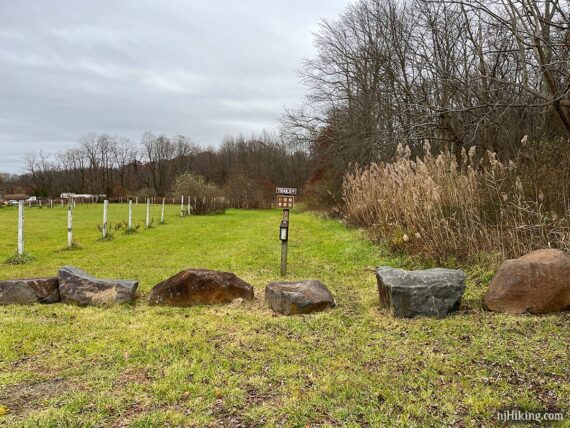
142 366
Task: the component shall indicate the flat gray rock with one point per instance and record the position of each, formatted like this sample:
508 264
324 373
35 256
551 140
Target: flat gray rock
301 297
429 293
77 286
29 291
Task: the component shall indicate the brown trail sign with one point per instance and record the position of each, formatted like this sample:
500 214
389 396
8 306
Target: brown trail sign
285 201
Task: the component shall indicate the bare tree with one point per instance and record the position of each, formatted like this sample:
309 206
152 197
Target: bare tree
459 73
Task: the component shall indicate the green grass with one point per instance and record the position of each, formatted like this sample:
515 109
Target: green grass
142 366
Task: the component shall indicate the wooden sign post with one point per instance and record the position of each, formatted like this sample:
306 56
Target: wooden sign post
284 237
285 200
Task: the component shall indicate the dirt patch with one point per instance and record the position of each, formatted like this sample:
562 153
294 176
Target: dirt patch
26 397
235 417
138 376
133 411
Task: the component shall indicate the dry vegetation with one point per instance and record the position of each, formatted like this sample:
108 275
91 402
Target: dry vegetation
438 206
206 198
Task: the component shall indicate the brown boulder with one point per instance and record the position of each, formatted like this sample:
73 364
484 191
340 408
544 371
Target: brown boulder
200 287
538 282
28 291
302 297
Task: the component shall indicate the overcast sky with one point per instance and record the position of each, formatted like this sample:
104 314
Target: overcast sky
200 68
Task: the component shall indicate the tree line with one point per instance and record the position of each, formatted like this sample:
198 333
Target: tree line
246 169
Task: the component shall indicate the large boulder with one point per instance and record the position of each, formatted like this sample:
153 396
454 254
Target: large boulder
200 287
28 291
538 282
430 293
77 286
301 297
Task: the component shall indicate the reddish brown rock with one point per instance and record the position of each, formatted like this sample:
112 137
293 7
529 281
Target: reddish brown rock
200 287
28 291
538 282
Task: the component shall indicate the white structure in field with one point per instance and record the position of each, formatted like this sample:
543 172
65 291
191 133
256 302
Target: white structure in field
80 196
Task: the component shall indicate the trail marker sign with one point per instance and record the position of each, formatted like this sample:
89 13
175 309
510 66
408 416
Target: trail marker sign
286 191
285 201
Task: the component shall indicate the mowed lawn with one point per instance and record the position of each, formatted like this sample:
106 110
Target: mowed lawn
141 366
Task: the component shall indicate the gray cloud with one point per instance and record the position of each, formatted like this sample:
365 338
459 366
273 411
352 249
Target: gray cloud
204 69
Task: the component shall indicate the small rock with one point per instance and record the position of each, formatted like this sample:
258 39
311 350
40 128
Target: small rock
430 293
301 297
538 282
200 287
77 286
28 291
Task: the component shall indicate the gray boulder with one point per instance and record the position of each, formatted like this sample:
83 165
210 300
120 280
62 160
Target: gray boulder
192 287
430 293
77 286
301 297
28 291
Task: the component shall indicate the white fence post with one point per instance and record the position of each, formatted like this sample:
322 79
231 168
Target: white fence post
105 217
147 213
136 200
20 228
130 225
182 206
188 210
162 211
69 227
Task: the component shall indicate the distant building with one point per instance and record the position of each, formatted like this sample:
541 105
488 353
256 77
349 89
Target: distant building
81 196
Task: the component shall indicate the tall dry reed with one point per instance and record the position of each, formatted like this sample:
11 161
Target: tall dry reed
440 207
